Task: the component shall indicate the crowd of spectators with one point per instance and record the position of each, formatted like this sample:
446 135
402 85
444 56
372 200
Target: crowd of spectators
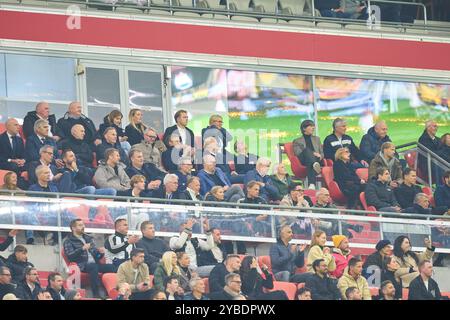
71 156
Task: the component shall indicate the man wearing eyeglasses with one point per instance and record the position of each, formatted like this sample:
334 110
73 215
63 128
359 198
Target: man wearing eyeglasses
5 282
232 289
29 288
151 148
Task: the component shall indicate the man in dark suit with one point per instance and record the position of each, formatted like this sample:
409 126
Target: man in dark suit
36 141
42 112
424 287
192 191
169 189
231 290
152 174
12 150
216 130
181 129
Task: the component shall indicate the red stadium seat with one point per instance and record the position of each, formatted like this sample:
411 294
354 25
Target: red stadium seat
298 169
363 173
84 277
109 281
300 285
410 158
429 193
445 294
374 291
333 188
288 287
265 260
362 198
2 127
405 294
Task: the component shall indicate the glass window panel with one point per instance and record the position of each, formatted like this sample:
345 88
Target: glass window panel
103 92
40 78
145 93
405 106
19 109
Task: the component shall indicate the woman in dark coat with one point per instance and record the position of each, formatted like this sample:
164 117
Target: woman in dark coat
347 179
254 280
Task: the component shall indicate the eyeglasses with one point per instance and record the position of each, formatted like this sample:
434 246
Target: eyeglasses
47 152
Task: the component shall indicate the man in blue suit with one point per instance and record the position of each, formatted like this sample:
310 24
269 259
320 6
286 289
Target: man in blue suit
12 150
38 140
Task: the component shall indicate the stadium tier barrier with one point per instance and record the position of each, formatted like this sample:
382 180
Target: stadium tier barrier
239 222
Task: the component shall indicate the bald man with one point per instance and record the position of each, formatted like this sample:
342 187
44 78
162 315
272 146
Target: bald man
72 117
42 111
371 142
76 142
12 149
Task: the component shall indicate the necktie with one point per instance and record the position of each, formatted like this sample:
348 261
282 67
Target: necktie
43 140
14 145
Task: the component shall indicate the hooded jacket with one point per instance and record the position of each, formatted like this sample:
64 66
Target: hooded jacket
371 144
106 177
347 281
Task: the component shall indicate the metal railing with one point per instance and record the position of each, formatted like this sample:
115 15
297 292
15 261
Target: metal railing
417 4
170 7
52 212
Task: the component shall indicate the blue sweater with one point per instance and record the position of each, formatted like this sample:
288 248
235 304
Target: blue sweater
207 183
269 191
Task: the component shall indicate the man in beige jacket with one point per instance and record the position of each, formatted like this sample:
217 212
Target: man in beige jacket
135 273
352 277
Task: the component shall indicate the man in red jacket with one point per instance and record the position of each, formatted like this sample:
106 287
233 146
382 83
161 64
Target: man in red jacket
341 253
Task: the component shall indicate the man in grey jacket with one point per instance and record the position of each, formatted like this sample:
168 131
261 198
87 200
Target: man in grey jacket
111 173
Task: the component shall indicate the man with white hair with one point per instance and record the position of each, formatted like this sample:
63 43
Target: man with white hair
169 189
267 190
42 112
72 117
75 142
211 176
371 142
38 140
198 288
338 139
422 206
12 149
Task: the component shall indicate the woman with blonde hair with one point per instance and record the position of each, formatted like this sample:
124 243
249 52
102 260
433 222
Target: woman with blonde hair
10 182
317 250
166 268
136 129
345 176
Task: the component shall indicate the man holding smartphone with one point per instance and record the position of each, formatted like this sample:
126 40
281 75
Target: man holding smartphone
135 272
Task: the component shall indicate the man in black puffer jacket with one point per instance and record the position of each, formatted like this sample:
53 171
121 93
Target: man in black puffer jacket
379 194
17 262
42 112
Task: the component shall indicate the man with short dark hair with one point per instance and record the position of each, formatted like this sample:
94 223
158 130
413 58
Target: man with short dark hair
352 277
80 248
424 287
29 288
172 288
387 291
119 245
135 273
152 174
321 285
304 294
111 173
232 264
5 282
442 193
231 290
17 262
180 128
286 258
406 192
341 253
12 149
380 194
56 286
193 187
353 293
153 247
